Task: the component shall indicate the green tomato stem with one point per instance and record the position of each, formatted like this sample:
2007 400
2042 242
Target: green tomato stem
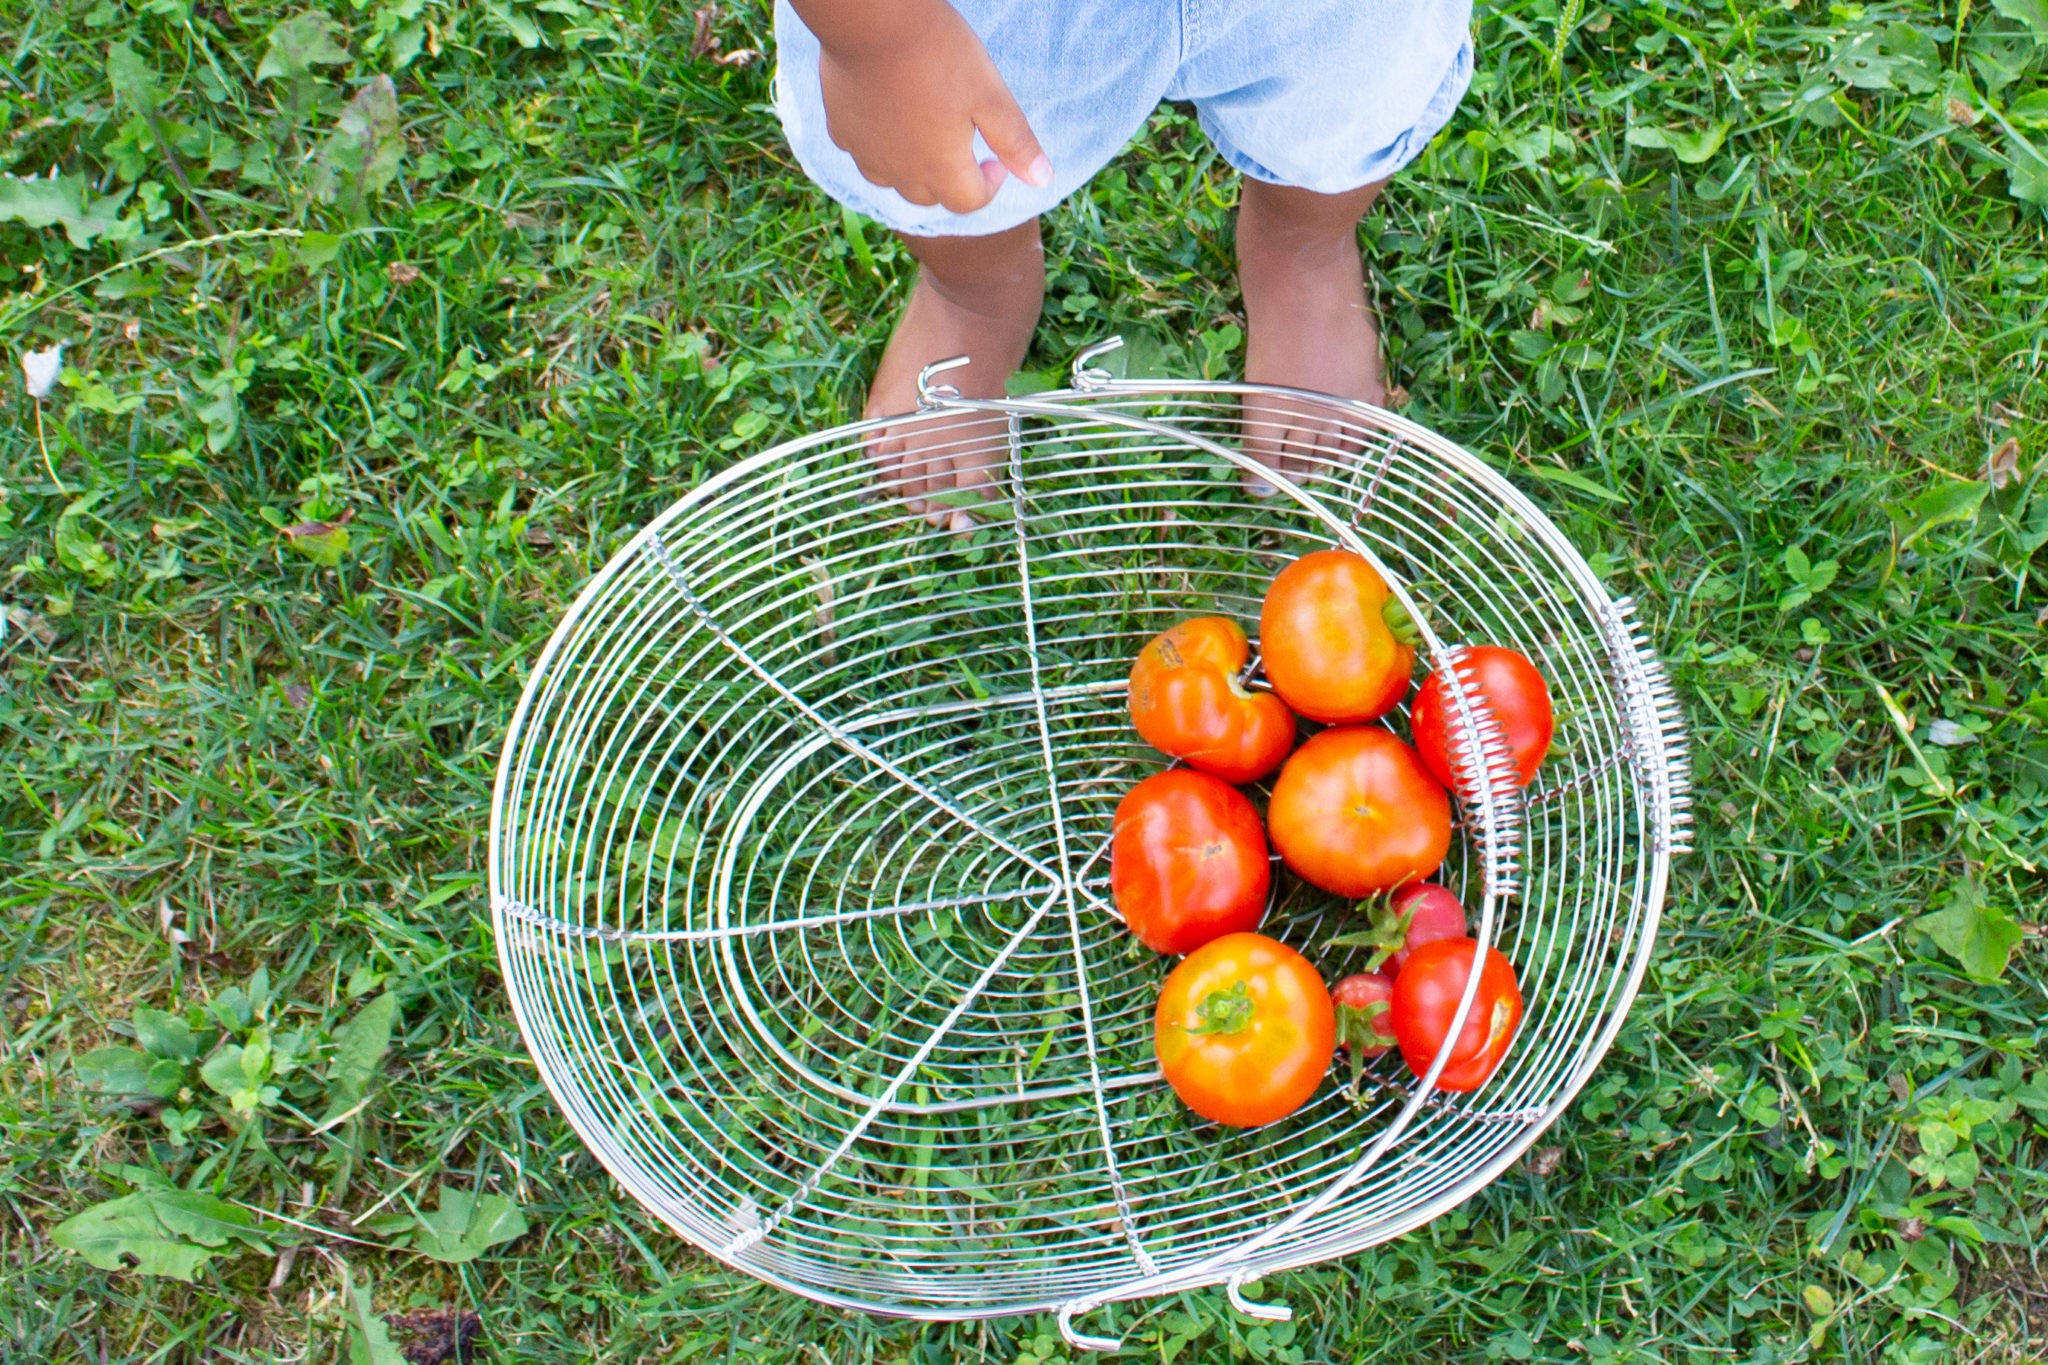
1224 1011
1400 623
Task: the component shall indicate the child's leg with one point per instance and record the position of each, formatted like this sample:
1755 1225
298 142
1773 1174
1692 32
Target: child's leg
1308 323
975 296
1317 102
1085 87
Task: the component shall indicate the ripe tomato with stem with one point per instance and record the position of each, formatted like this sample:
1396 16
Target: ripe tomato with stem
1187 700
1244 1030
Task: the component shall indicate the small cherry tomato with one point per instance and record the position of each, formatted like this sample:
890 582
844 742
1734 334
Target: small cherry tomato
1335 644
1364 1028
1186 701
1187 861
1426 995
1516 694
1355 812
1400 923
1429 912
1245 1030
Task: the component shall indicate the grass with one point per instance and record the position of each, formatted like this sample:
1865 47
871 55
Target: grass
1751 297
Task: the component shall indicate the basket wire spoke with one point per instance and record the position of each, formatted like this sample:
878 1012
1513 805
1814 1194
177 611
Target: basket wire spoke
799 852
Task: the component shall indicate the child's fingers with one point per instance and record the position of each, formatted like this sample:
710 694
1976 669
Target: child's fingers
1008 134
962 187
885 455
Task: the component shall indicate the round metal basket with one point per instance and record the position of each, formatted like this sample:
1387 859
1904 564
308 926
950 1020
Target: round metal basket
799 854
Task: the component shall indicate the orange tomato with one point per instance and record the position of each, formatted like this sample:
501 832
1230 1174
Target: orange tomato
1186 701
1245 1030
1187 861
1355 812
1334 642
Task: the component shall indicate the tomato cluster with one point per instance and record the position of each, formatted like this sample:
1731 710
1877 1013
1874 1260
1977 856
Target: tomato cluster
1245 1028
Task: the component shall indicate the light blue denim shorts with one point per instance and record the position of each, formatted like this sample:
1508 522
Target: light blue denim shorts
1325 95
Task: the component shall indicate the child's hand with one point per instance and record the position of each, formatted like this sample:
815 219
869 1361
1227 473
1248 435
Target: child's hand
906 83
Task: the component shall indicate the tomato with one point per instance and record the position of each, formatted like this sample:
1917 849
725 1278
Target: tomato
1245 1030
1335 644
1355 812
1186 701
1516 694
1426 912
1364 1026
1400 923
1425 1000
1187 861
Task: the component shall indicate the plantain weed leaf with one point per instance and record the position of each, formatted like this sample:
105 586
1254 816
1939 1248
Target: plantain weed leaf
299 44
369 1338
324 542
2032 13
2030 110
125 1071
362 154
466 1225
163 1034
2026 175
359 1048
158 1231
521 27
1953 500
1973 931
40 202
134 81
36 202
1689 147
316 249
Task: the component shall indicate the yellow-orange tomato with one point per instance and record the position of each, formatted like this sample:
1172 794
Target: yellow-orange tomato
1334 642
1245 1030
1186 701
1355 812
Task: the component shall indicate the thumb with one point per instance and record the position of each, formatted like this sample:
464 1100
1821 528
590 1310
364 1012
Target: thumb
1009 136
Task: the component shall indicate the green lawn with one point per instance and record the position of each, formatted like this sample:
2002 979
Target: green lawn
1752 297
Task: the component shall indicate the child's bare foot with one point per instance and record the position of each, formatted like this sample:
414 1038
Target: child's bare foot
978 297
1308 323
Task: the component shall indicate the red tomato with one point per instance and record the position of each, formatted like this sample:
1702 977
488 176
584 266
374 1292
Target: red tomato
1355 812
1412 916
1362 1001
1424 913
1245 1030
1516 694
1425 1000
1334 642
1187 861
1186 701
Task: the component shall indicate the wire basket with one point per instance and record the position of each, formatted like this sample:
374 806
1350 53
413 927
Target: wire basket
799 854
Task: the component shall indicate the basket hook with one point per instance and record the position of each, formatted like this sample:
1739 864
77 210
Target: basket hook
1078 1339
1087 375
1267 1312
930 395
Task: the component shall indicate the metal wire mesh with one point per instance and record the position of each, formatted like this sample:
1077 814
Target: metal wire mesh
799 854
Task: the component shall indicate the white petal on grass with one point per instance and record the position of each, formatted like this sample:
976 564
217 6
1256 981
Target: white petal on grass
1949 735
42 369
